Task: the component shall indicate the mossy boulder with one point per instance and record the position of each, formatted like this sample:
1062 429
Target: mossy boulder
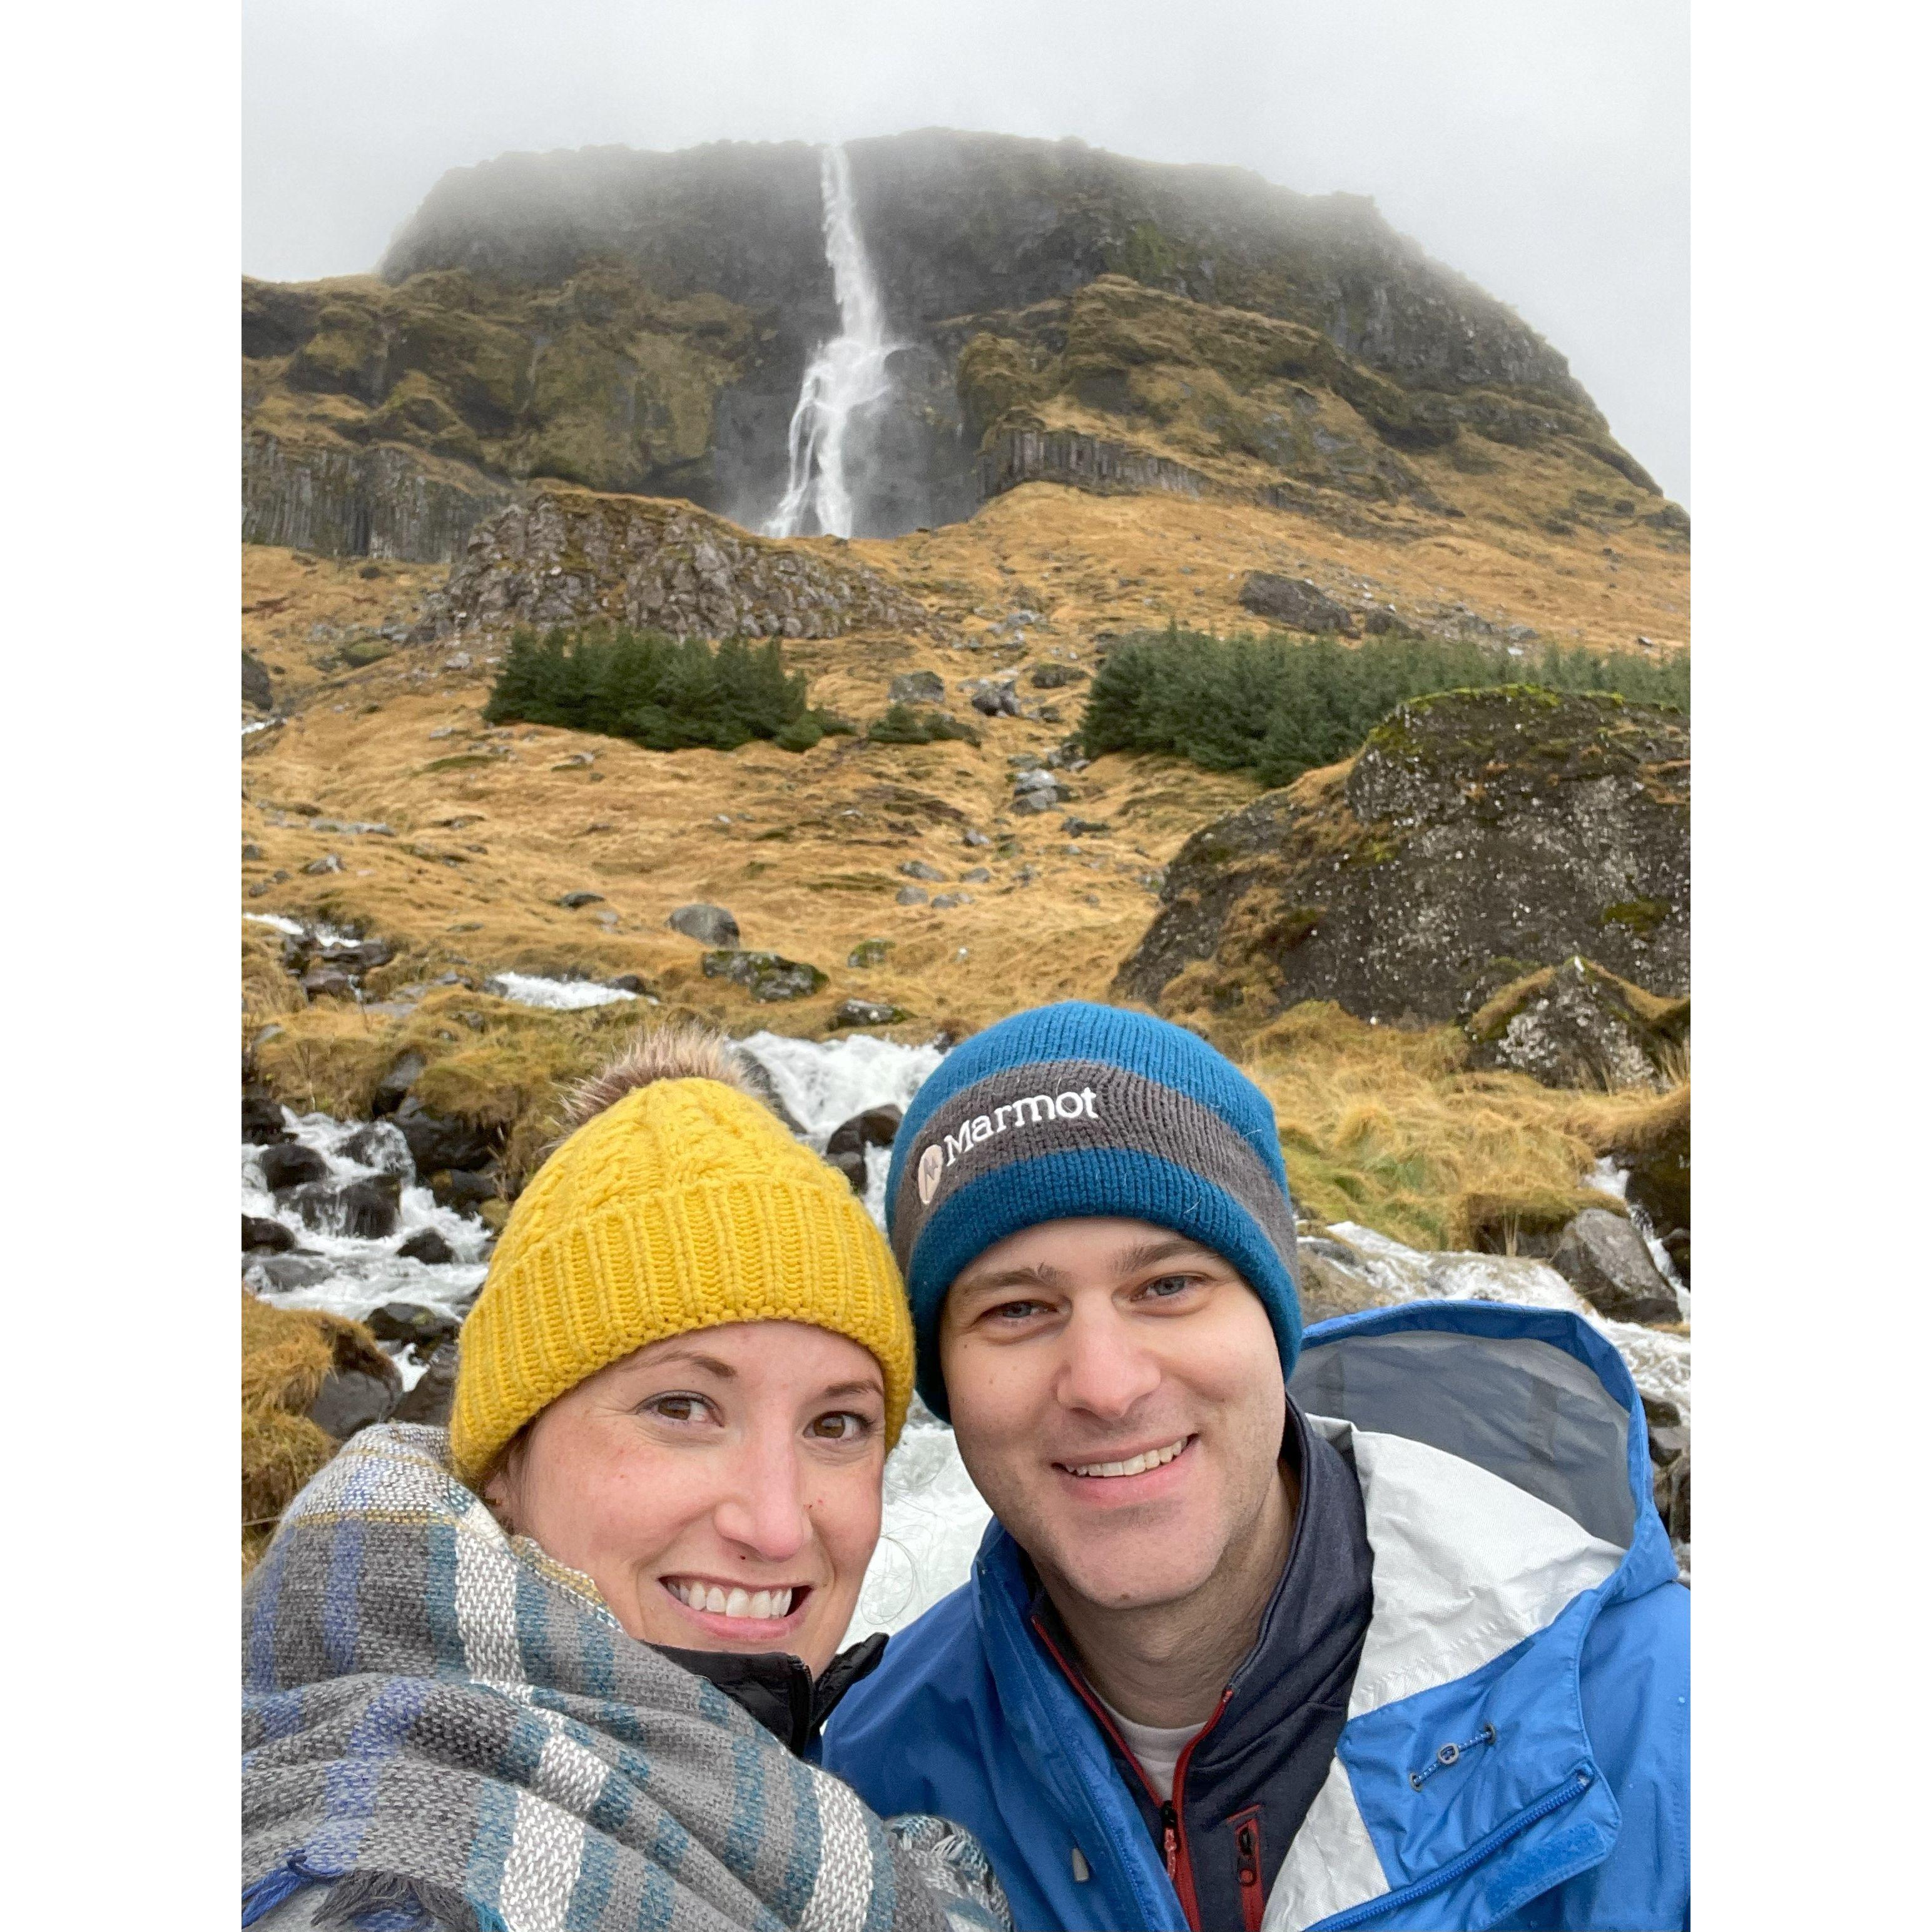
765 976
1472 828
1577 1025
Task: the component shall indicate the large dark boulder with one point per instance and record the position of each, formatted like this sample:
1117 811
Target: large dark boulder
1604 1259
261 1236
1476 836
364 1211
428 1328
1298 603
352 1398
262 1123
431 1400
436 1142
288 1164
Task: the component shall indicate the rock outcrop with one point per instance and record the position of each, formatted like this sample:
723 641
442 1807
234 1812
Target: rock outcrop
383 501
1575 1025
1477 836
571 557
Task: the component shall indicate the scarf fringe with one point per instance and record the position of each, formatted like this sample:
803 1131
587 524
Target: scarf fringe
273 1888
353 1895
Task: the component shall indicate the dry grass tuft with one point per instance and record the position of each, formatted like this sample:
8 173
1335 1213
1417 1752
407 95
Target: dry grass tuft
1393 1130
286 1354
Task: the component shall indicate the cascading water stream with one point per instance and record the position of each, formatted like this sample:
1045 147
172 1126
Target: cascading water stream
847 375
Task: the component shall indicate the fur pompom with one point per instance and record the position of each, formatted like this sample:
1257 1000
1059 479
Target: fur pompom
678 1050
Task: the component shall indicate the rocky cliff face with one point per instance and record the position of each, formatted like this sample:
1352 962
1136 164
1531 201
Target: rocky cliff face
569 557
1477 836
641 321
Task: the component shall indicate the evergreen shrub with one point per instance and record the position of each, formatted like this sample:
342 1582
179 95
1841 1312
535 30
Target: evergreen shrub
1278 709
661 693
900 724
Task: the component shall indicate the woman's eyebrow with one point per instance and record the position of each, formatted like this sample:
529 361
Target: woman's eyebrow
723 1371
871 1388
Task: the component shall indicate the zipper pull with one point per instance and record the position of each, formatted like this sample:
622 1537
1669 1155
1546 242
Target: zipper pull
1170 1838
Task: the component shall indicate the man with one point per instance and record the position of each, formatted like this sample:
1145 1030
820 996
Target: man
1385 1631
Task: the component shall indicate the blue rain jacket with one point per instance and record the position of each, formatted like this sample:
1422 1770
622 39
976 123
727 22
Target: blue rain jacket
1517 1749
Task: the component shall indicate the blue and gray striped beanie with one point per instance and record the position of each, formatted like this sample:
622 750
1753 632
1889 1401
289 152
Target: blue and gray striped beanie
1079 1109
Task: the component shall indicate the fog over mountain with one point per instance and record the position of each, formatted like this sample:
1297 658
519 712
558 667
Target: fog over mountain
1543 152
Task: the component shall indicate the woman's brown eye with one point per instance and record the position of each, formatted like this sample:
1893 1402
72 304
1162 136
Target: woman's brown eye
841 1426
676 1407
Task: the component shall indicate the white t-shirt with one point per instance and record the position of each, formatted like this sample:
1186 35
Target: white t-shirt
1158 1750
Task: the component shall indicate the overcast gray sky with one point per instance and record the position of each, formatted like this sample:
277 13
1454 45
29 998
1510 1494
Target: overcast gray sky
1540 146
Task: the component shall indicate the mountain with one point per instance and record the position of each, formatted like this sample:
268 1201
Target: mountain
642 322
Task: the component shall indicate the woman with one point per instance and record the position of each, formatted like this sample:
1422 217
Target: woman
551 1670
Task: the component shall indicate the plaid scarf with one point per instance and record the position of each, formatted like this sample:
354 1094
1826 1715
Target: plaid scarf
448 1729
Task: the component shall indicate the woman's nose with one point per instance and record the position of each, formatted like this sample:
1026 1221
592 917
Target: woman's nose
764 1506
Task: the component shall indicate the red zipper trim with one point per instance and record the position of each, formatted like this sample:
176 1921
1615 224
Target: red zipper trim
1246 1827
1173 1847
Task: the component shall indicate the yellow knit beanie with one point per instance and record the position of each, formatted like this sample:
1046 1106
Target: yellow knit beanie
683 1203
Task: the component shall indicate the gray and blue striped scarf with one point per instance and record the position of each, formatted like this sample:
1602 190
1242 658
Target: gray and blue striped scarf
445 1729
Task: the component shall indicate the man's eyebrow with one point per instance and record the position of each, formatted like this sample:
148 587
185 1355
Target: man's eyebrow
1145 1254
1041 1274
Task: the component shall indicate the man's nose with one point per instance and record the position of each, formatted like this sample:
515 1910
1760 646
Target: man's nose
764 1506
1105 1369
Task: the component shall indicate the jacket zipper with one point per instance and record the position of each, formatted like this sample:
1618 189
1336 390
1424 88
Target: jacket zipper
1173 1839
1567 1793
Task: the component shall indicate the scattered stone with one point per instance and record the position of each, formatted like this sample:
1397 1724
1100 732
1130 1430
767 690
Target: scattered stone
327 862
427 1246
329 982
992 698
909 895
1085 828
1034 802
411 1321
1298 602
282 1274
570 902
261 889
436 1143
393 1089
973 836
864 1012
709 925
464 1188
352 1398
868 953
1604 1258
430 1401
290 1165
1053 676
917 868
945 901
765 976
250 852
916 687
261 1236
364 1211
876 1126
262 1121
629 982
256 689
975 875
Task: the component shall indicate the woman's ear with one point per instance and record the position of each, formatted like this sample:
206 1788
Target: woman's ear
503 1487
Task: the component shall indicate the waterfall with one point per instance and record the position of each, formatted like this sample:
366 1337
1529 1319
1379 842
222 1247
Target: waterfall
844 376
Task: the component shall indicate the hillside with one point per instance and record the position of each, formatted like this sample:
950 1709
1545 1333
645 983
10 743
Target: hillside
641 323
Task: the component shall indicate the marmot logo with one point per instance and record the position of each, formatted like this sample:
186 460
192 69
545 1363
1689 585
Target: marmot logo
1031 1112
930 1163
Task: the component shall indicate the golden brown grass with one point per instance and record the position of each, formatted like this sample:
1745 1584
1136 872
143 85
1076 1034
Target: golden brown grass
286 1354
1394 1130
